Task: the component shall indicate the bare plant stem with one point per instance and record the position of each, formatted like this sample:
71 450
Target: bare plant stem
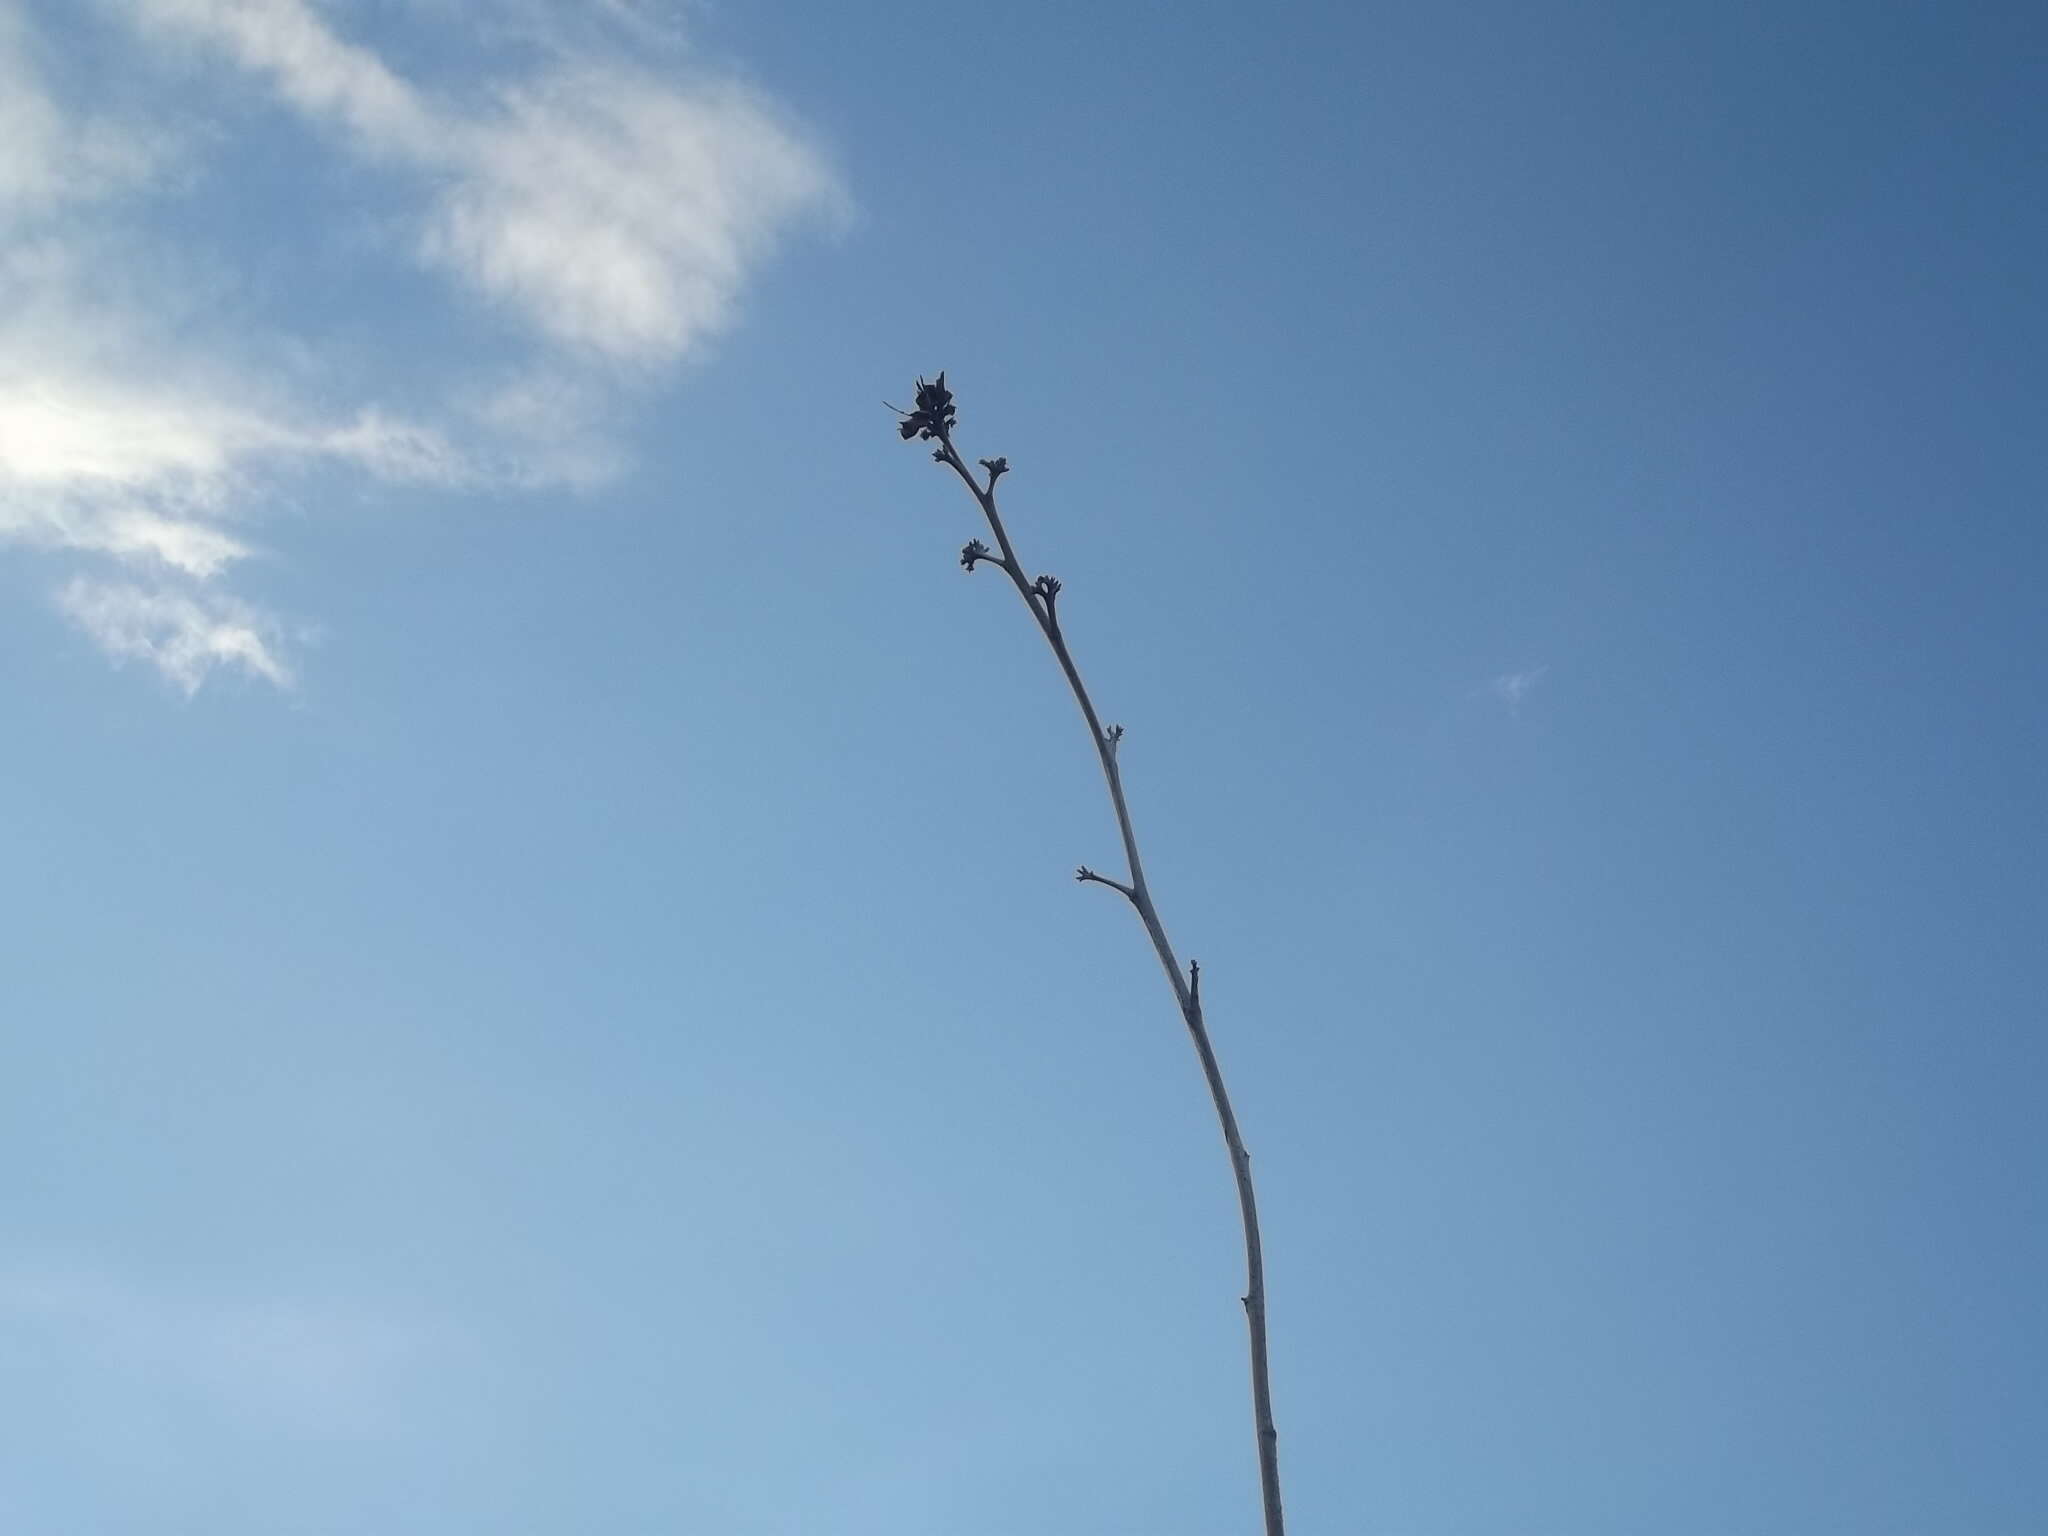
1041 598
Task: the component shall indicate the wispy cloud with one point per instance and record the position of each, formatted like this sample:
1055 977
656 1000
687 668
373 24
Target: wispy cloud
1513 687
614 211
114 446
93 462
50 158
184 634
612 215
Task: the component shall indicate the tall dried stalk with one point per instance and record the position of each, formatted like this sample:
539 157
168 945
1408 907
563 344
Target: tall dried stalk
932 421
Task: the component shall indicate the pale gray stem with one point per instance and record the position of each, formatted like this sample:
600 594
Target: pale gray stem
1187 991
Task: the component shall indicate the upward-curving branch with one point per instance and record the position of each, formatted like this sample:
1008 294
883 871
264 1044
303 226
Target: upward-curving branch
932 421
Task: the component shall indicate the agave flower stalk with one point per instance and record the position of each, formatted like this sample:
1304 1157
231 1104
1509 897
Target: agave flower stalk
932 420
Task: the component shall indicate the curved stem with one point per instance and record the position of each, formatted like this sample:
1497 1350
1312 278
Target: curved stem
1187 992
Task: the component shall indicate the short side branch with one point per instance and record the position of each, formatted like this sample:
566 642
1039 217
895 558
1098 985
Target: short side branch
1088 876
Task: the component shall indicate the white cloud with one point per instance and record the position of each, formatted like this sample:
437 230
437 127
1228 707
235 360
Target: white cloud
129 533
616 212
48 157
109 449
71 431
1512 687
184 634
148 424
392 449
315 70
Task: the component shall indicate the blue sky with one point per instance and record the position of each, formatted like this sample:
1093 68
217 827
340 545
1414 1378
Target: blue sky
543 987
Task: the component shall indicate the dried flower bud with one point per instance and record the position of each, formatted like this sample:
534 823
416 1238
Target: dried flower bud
933 417
974 550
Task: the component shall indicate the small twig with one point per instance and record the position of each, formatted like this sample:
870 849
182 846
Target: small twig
1088 876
